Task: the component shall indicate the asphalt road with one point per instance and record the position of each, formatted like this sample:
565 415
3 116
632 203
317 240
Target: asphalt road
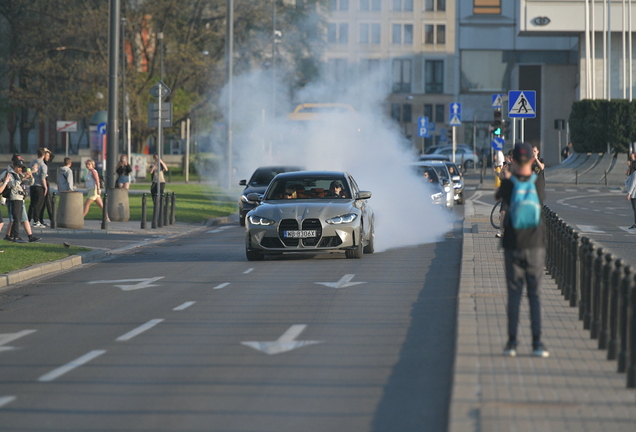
186 335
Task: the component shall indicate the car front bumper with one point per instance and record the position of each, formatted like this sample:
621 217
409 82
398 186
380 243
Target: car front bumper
331 237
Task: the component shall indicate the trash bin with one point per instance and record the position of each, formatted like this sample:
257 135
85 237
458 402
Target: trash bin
70 210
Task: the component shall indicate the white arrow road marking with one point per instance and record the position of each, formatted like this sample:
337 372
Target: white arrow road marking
56 373
142 328
214 231
342 283
142 283
284 343
631 231
221 286
10 337
249 270
6 400
184 306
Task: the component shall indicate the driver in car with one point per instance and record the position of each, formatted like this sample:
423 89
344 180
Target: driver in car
290 193
335 190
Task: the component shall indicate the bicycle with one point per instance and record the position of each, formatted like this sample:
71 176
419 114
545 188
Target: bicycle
495 213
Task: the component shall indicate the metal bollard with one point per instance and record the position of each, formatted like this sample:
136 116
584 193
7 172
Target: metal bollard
577 177
584 278
165 210
155 212
575 270
630 359
173 216
616 280
597 284
53 217
589 259
159 210
627 284
105 212
603 330
143 211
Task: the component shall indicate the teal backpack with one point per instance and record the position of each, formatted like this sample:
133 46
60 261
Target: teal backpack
525 208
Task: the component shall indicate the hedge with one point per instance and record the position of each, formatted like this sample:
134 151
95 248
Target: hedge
595 123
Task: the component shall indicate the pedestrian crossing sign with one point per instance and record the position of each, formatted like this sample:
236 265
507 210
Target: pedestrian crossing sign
455 120
522 104
497 100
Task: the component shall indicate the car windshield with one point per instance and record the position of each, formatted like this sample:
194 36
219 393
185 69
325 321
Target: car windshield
428 173
452 169
442 172
308 188
264 176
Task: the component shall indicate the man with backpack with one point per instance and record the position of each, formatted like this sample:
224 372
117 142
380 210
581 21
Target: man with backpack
12 181
524 246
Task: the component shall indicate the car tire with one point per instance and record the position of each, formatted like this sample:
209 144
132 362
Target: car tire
253 255
355 253
370 247
469 164
460 201
242 220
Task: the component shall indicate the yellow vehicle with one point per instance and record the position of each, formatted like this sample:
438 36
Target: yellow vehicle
318 111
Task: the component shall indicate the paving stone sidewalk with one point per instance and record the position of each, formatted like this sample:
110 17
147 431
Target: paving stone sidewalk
575 389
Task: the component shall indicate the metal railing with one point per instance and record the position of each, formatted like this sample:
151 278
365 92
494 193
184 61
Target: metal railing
600 285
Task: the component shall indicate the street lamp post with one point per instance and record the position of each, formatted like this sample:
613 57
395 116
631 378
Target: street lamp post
113 90
229 52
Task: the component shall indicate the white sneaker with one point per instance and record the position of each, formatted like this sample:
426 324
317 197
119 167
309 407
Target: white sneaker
36 225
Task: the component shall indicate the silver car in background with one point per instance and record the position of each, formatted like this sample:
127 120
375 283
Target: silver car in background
458 181
444 179
310 211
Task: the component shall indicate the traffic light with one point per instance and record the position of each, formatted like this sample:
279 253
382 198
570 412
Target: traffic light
496 124
449 134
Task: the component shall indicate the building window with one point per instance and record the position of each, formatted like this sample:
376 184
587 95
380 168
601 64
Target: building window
395 112
434 76
402 33
492 7
485 71
407 112
364 5
369 65
428 112
435 5
372 37
338 70
402 113
338 33
342 5
401 76
402 5
439 113
435 113
374 5
434 34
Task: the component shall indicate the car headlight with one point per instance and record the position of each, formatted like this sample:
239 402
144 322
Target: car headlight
446 189
342 219
437 196
257 220
246 201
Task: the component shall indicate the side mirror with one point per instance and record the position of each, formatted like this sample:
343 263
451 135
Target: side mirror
243 183
363 195
256 197
456 178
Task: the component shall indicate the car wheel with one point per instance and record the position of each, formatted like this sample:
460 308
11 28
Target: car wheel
355 253
242 220
370 247
460 201
469 164
253 255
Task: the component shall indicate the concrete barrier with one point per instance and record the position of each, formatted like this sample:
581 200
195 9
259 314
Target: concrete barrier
118 205
70 211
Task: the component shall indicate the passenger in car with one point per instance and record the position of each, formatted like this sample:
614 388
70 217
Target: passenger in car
335 190
290 193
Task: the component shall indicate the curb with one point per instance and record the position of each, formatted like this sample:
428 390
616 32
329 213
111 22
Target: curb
37 270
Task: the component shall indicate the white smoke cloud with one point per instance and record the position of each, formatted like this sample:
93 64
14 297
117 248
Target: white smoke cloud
368 145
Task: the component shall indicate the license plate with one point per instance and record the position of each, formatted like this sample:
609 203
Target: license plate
299 234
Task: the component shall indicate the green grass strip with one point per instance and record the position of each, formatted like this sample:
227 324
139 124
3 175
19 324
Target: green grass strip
14 256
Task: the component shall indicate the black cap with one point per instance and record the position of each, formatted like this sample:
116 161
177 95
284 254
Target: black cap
522 152
19 163
15 157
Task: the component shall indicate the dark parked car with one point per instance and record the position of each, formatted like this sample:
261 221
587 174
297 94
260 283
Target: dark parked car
258 184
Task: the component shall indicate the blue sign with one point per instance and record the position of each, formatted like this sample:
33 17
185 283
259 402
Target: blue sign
497 100
522 104
498 143
455 114
422 127
431 126
101 128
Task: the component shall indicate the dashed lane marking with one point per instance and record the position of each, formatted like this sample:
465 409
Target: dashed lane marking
221 286
592 229
4 400
184 306
142 328
249 270
56 373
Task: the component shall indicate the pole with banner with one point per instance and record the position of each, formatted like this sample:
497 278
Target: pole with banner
68 127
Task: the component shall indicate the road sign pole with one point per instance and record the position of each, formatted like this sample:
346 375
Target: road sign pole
514 132
423 139
454 142
68 139
523 130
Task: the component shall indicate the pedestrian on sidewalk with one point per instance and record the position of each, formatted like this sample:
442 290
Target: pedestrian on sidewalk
39 189
48 197
630 185
158 180
524 246
65 181
123 172
631 164
538 167
504 174
15 179
93 191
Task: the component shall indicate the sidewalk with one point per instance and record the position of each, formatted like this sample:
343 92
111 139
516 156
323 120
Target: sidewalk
576 388
118 238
